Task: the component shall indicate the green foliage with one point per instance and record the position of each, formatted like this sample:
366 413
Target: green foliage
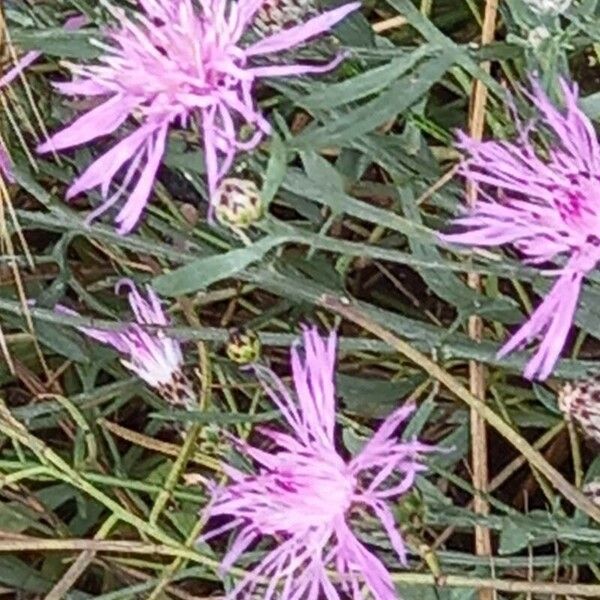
355 180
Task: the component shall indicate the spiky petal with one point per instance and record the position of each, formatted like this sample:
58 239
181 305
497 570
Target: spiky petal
304 491
546 206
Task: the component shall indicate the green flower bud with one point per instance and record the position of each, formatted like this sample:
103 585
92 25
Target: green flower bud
243 347
238 203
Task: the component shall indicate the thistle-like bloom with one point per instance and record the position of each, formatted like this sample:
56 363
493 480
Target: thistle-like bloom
154 357
170 65
305 492
544 203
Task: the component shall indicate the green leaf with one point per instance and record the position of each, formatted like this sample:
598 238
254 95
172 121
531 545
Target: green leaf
374 398
55 41
399 97
366 84
513 537
202 272
19 576
217 418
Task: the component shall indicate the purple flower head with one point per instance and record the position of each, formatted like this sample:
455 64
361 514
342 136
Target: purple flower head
304 491
547 207
153 356
169 65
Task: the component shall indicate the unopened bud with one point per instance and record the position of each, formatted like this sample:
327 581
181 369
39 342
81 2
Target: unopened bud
276 15
243 347
178 391
580 402
238 203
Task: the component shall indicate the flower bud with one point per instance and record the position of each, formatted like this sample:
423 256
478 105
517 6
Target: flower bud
178 391
238 203
276 15
243 347
580 402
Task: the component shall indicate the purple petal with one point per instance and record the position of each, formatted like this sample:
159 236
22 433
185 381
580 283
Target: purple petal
6 165
80 87
104 168
99 121
294 36
288 70
387 520
130 213
19 67
552 319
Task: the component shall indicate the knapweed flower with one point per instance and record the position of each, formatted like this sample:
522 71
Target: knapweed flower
544 203
152 355
305 492
171 64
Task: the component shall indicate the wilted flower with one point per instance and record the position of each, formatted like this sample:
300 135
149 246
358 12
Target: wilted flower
305 492
580 403
153 356
546 206
237 202
171 64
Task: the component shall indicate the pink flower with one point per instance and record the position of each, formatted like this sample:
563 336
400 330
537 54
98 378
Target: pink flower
153 356
547 207
170 65
305 491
